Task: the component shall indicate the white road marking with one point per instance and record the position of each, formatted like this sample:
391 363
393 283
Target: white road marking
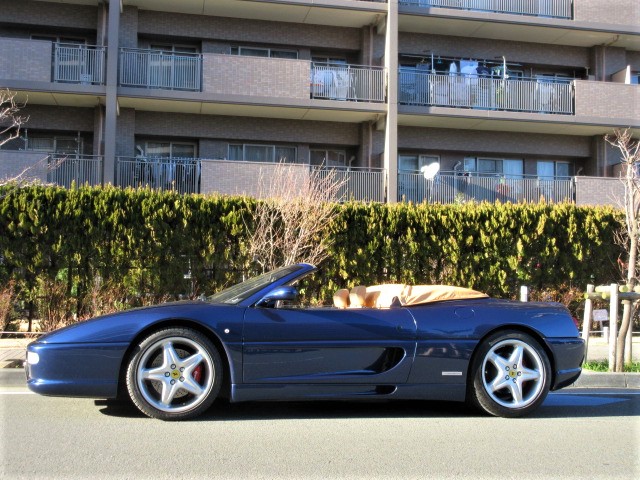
17 393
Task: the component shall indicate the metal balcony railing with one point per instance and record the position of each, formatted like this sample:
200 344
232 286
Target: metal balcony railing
67 169
159 69
535 8
460 91
347 82
357 183
159 173
454 187
84 64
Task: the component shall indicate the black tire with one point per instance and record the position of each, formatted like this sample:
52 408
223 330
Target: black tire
510 375
174 374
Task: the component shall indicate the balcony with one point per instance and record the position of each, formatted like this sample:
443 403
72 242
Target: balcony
84 64
347 82
232 177
52 168
162 70
535 8
175 174
459 187
527 95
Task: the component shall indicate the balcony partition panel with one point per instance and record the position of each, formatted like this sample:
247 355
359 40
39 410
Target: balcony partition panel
536 8
161 70
459 187
460 91
347 82
84 64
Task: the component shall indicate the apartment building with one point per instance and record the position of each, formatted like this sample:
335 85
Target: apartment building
436 100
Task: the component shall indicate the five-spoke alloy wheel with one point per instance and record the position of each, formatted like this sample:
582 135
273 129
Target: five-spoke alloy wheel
174 374
510 375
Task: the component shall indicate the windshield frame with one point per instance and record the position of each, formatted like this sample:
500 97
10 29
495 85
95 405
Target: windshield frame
245 291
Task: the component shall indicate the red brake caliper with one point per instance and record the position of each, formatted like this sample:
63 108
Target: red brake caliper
197 373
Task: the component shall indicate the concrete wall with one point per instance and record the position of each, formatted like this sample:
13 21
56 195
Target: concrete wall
251 178
255 76
614 12
599 191
23 166
55 15
612 101
28 60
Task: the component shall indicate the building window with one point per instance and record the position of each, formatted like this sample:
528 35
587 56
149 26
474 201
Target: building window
264 52
54 144
328 158
262 153
549 169
60 39
170 48
413 163
167 149
494 166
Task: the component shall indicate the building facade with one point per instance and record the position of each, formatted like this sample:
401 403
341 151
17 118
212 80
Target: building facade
510 99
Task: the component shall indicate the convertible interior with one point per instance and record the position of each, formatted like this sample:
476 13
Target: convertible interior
391 295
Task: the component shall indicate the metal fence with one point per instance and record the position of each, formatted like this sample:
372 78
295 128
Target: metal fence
358 184
66 170
84 64
159 69
159 173
536 8
457 187
347 82
520 95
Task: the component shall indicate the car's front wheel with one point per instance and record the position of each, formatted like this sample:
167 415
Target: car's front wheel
511 375
174 374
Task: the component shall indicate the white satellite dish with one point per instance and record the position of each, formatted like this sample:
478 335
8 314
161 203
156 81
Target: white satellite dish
430 171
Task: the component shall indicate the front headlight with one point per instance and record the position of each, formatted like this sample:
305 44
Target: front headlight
32 358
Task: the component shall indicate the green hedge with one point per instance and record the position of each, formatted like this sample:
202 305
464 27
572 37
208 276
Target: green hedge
148 242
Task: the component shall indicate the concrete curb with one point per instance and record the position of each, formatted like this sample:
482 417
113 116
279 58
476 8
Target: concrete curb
590 379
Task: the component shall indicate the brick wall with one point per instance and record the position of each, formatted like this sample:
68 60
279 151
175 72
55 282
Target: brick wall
248 31
28 60
612 101
128 33
615 12
246 128
125 136
59 119
599 191
30 166
487 142
481 48
248 178
54 15
255 76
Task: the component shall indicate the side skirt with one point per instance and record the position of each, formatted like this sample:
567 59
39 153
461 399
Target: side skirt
261 392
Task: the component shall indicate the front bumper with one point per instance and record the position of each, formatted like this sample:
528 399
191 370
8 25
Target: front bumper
74 370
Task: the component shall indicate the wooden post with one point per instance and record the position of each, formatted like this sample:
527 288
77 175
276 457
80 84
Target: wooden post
586 322
613 327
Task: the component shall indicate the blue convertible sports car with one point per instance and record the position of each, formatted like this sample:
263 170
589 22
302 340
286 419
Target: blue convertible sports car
253 341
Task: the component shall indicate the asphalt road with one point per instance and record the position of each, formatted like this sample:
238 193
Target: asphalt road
576 434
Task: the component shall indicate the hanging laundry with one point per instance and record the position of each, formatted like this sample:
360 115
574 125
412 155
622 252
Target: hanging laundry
453 69
469 68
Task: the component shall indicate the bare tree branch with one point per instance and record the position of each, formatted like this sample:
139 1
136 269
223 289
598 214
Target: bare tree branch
291 220
629 149
10 118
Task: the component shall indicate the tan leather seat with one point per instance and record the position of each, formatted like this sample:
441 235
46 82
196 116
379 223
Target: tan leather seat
357 297
341 298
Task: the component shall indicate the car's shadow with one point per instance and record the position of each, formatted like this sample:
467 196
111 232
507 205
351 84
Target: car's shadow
565 405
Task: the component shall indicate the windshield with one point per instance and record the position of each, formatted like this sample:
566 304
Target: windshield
241 291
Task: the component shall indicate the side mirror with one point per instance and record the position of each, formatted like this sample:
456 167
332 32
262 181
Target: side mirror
289 294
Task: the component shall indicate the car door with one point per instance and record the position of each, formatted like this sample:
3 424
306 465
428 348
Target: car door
328 345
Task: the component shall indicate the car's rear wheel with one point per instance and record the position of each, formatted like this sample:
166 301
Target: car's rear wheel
174 374
511 375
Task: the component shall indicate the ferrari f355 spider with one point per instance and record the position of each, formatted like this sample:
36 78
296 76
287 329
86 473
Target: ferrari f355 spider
253 341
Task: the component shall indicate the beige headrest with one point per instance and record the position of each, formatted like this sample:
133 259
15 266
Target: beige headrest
357 296
341 298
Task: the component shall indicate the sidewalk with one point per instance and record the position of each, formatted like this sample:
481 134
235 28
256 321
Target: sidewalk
12 355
